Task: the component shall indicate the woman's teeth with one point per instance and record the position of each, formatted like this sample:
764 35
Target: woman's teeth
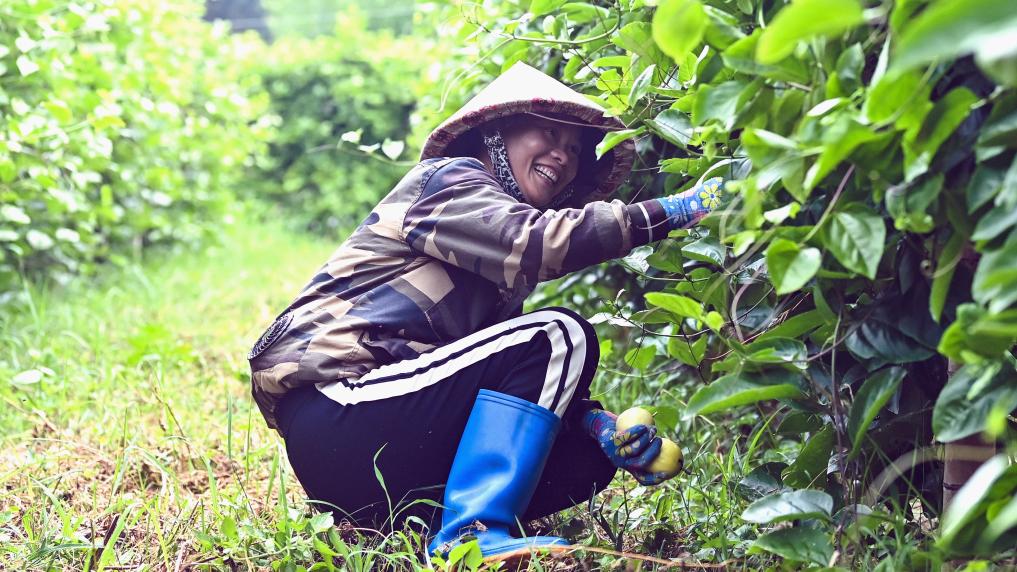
550 177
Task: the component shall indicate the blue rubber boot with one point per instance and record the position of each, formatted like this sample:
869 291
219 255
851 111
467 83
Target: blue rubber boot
499 461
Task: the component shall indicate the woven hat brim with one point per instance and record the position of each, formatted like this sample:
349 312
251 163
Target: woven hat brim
523 89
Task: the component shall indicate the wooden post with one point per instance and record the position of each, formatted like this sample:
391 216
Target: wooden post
961 458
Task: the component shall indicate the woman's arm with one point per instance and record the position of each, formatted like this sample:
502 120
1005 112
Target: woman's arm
463 217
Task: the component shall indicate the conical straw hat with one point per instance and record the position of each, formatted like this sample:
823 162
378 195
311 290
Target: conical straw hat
523 89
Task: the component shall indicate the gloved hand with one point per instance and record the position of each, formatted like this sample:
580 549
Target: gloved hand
688 208
633 450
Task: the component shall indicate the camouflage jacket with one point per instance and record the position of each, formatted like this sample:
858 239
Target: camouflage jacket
445 254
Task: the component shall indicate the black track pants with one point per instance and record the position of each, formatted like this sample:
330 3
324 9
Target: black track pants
406 418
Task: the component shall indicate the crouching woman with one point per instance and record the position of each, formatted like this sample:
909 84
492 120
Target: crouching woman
408 355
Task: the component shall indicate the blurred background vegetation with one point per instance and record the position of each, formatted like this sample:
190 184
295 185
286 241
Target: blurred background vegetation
171 173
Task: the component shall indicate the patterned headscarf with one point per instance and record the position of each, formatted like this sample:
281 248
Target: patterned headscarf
503 169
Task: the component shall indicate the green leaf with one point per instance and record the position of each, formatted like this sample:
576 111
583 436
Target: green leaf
541 7
958 414
641 358
762 481
795 326
718 102
722 29
790 266
706 249
798 422
855 237
714 320
777 351
995 281
966 505
741 56
947 30
688 353
640 85
809 468
636 37
945 268
839 140
869 401
681 306
908 203
795 505
612 139
678 26
804 19
893 97
673 126
977 335
801 544
922 141
734 390
59 110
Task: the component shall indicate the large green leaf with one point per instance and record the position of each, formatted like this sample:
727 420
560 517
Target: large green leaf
959 414
946 265
947 29
966 505
839 140
706 249
795 326
802 544
893 97
636 37
681 306
741 56
738 389
689 353
995 282
793 505
809 468
612 139
773 350
977 334
673 126
791 266
855 237
923 140
718 102
803 19
678 26
869 401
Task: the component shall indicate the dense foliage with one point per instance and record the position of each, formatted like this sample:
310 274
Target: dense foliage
341 107
869 149
121 124
798 341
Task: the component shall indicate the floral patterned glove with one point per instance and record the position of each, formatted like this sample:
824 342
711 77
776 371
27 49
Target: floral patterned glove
633 450
688 208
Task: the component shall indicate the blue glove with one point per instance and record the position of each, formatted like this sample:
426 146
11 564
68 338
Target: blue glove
688 208
632 450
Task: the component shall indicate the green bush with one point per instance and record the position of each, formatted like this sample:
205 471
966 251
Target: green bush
343 106
871 150
122 123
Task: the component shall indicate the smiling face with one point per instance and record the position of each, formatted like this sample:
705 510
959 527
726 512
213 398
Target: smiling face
544 155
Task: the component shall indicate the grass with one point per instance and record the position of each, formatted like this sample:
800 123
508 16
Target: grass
128 439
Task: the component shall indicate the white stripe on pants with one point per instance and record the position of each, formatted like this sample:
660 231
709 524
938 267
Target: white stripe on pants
411 375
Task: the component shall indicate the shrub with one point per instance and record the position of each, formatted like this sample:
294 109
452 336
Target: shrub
122 123
342 110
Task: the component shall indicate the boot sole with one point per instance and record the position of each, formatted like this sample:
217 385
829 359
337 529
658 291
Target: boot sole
515 559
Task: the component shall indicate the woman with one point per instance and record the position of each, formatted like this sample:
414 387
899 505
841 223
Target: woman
407 355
